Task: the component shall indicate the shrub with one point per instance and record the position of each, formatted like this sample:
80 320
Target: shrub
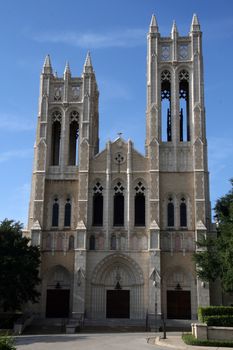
221 321
214 311
7 343
189 339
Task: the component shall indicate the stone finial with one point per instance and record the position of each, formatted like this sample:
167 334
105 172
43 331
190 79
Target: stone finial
36 226
174 29
154 226
154 25
200 226
47 67
81 225
67 71
195 25
88 68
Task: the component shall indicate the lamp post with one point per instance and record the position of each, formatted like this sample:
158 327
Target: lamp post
155 285
156 278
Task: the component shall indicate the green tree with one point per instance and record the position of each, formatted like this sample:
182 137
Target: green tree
215 258
19 267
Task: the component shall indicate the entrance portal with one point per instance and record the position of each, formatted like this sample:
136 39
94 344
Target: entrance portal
118 302
178 304
57 304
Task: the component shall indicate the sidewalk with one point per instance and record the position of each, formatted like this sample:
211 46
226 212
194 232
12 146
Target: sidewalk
174 341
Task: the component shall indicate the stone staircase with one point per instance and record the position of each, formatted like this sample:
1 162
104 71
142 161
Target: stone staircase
58 326
47 326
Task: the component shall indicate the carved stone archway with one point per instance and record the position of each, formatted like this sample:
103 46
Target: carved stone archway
180 279
113 272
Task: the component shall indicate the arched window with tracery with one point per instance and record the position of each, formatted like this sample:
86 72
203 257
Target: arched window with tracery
118 204
73 138
98 202
166 106
56 138
139 205
55 213
67 216
183 213
184 106
92 242
170 213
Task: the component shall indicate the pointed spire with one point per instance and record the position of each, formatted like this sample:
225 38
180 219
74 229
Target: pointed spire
88 59
88 68
174 28
154 25
47 67
195 26
67 72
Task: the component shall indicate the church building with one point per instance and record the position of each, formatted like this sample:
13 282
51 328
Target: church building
117 228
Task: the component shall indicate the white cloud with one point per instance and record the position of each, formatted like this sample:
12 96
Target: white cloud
123 38
23 153
15 123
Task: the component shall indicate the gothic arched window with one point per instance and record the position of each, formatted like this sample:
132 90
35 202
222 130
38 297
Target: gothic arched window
56 138
170 213
73 138
183 213
92 242
184 106
139 205
118 212
98 205
71 242
67 217
166 106
55 213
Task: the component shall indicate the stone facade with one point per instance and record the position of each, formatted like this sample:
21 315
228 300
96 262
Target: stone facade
117 220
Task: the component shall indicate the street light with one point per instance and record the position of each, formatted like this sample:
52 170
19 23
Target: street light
155 285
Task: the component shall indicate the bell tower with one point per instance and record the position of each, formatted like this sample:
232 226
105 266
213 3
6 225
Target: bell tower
176 144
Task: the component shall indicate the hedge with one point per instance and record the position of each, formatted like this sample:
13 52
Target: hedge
221 321
189 339
214 311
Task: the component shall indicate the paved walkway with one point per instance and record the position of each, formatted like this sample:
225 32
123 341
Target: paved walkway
106 341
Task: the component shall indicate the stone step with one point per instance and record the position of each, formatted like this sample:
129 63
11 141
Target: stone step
112 329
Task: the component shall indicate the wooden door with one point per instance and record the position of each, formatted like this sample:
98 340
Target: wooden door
118 304
178 304
57 304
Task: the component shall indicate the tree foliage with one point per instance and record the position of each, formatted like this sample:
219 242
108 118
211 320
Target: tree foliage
215 258
19 267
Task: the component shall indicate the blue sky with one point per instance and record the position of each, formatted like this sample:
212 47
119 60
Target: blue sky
115 32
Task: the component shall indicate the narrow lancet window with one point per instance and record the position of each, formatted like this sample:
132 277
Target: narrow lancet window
71 242
184 106
56 138
183 213
166 106
170 213
98 204
73 138
67 218
113 242
139 205
55 213
118 214
92 242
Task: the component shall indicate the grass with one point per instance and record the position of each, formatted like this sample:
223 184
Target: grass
189 339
